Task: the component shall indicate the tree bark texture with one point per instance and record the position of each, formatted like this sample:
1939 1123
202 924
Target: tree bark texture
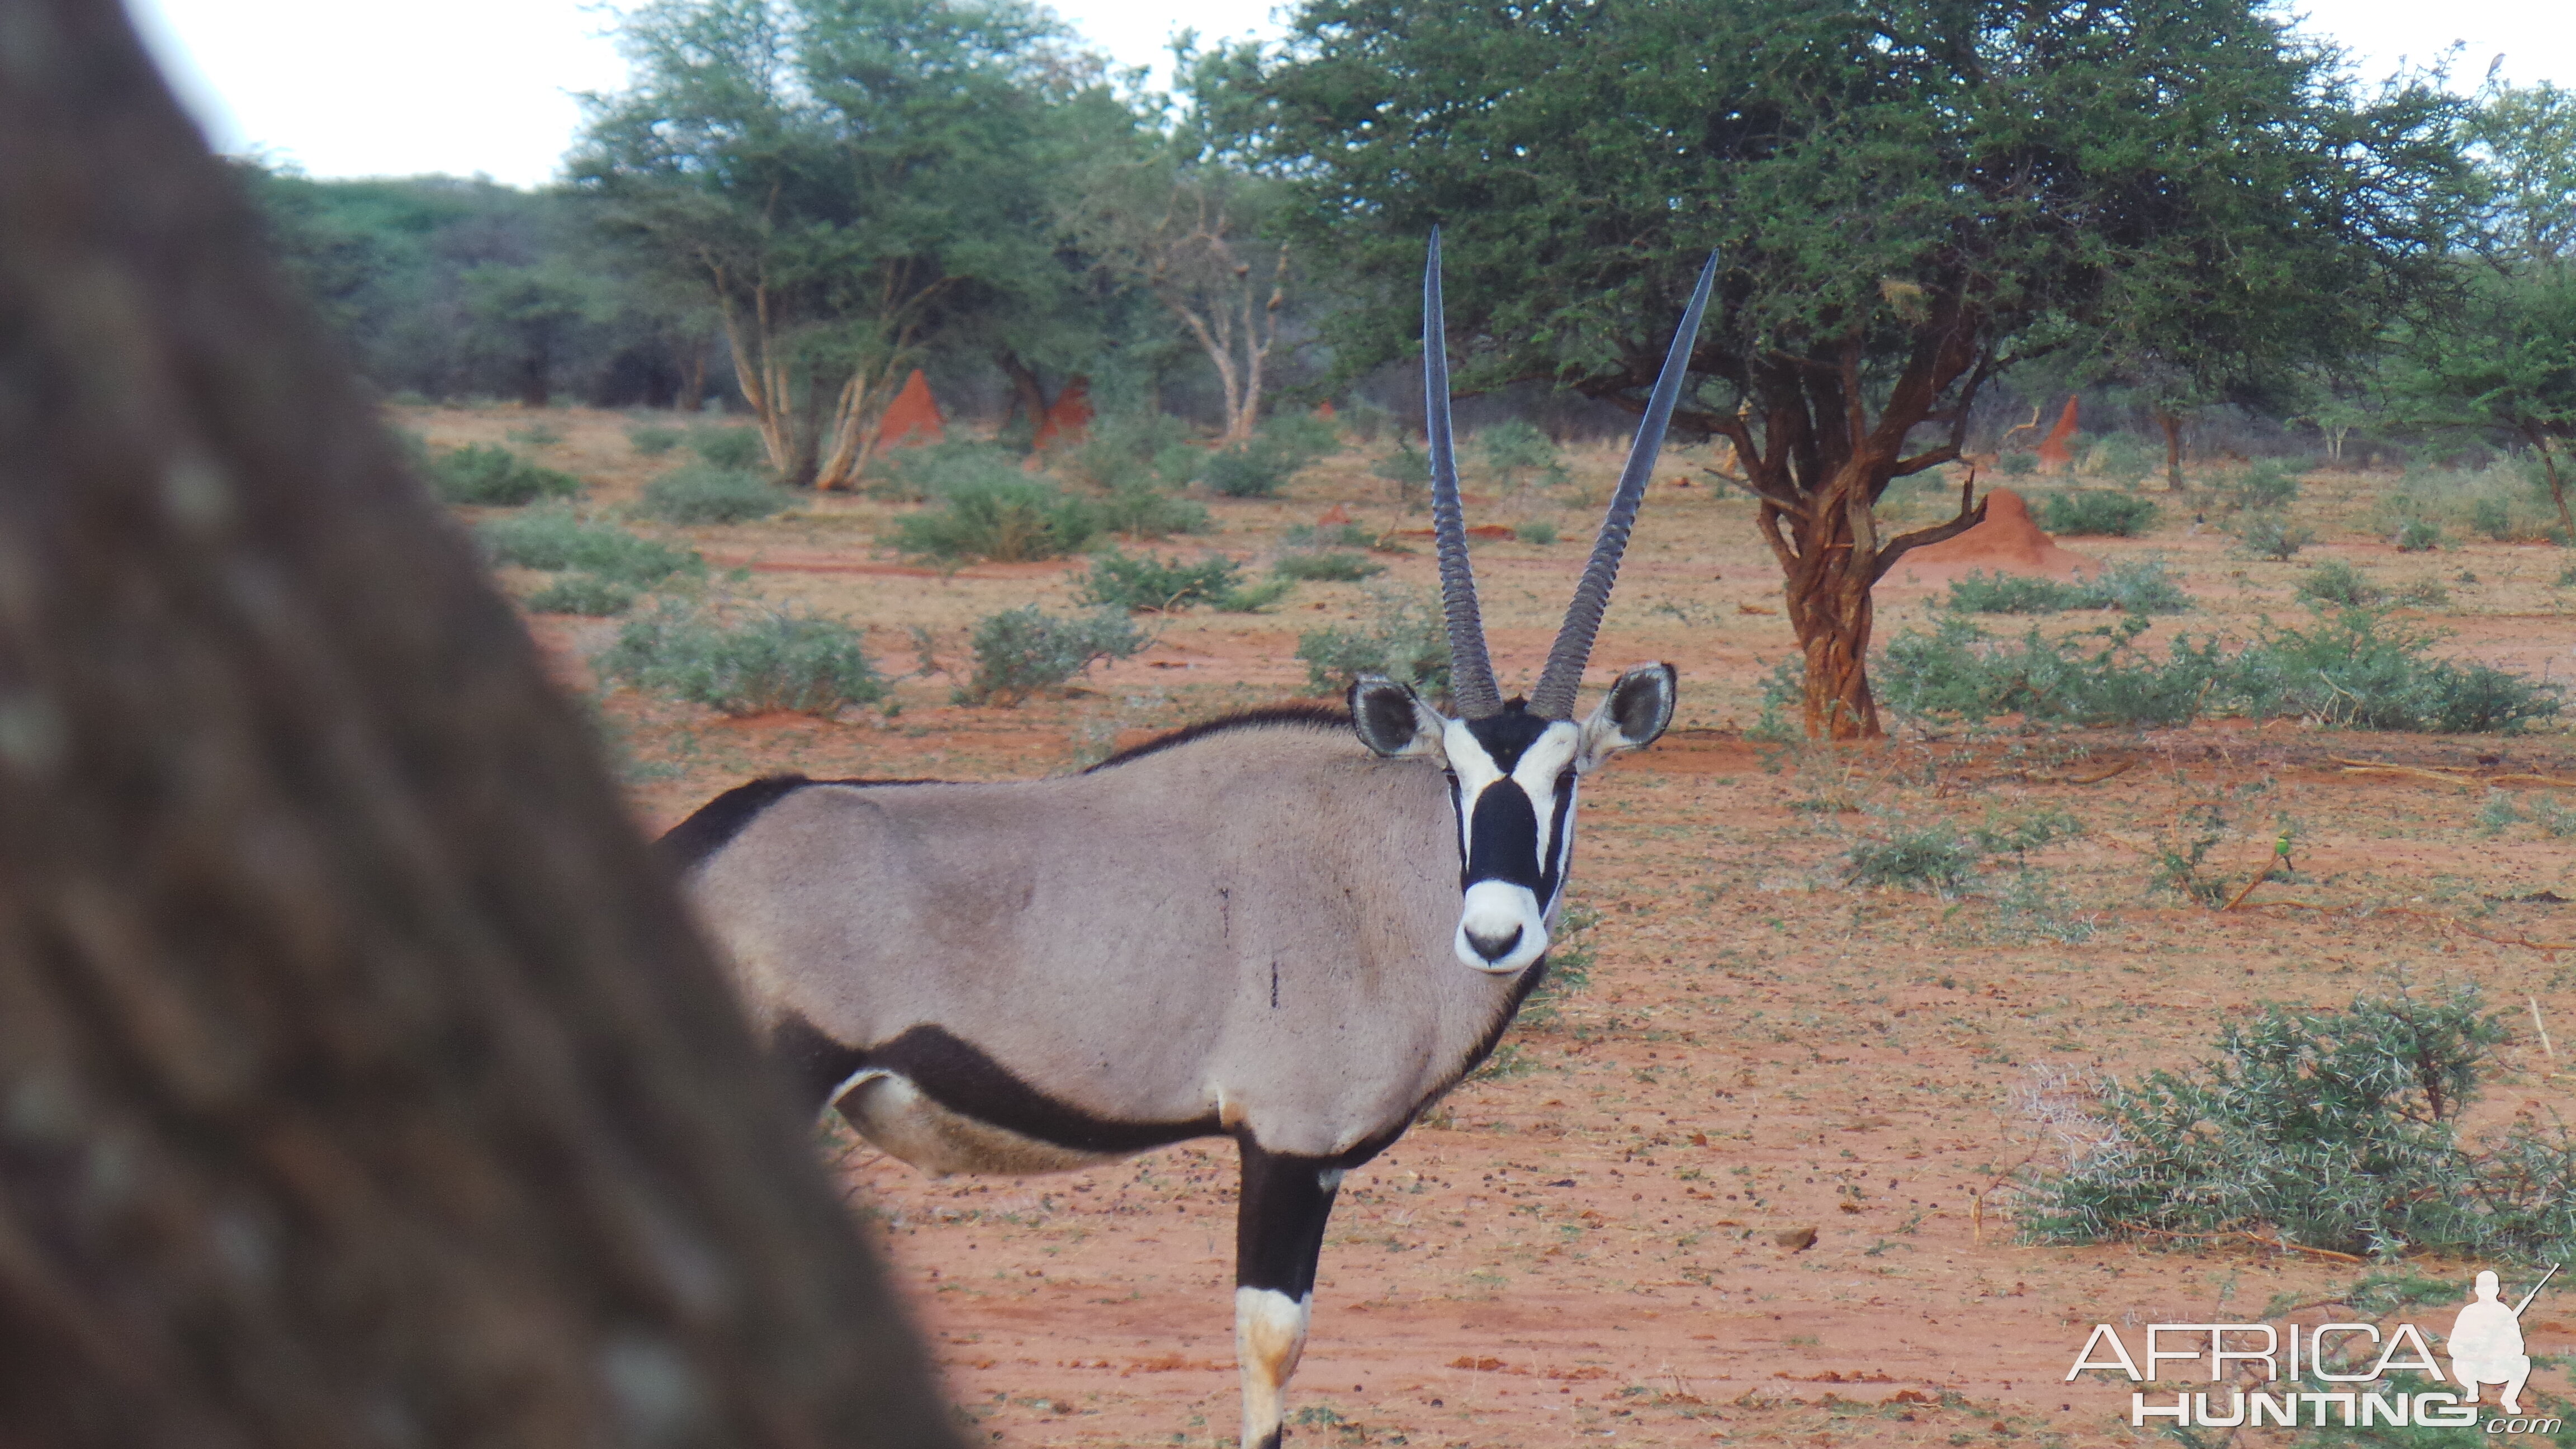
1818 463
2172 424
362 1082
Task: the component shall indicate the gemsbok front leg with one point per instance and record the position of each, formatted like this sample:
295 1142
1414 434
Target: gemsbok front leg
1278 1236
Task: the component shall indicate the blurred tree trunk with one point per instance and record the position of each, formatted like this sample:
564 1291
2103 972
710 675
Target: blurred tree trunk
361 1080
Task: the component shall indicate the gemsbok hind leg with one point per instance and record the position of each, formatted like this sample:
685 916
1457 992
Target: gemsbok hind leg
1278 1235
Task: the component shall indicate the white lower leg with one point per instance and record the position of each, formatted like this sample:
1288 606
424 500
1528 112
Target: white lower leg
1269 1334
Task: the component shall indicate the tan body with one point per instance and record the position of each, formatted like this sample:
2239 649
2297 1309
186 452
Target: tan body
1260 916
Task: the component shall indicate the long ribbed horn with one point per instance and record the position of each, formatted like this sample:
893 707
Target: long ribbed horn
1554 697
1471 669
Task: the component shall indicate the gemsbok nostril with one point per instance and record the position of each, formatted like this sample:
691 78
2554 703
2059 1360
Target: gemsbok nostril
1494 948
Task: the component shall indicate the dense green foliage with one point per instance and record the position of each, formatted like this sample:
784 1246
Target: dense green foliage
2332 1129
2354 668
2141 586
705 493
2097 514
1021 651
1154 584
1002 518
555 539
1402 638
775 660
490 474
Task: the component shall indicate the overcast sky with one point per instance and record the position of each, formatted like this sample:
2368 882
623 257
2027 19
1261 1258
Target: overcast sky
385 88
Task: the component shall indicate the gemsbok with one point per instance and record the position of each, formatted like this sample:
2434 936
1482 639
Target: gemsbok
1248 928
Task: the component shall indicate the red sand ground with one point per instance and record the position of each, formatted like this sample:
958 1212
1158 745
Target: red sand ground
2008 542
1582 1245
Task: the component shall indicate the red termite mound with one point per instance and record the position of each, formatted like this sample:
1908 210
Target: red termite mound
2008 542
1069 419
2057 450
913 419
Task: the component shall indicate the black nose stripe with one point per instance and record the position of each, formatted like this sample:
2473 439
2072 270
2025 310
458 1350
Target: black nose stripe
1502 838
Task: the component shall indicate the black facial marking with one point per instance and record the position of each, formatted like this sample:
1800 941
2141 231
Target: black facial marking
1502 839
812 1060
965 1081
1506 736
1279 1221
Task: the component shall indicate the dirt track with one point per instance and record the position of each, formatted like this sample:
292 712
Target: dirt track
1584 1242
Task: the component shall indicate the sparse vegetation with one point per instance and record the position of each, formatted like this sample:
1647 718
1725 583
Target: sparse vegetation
586 594
1142 511
1021 651
2095 513
1328 567
2337 582
774 660
1261 465
650 440
1401 638
1536 530
2418 535
2142 586
2353 668
1518 450
2269 484
1154 584
732 449
492 475
553 539
2268 533
697 493
2330 1129
1006 520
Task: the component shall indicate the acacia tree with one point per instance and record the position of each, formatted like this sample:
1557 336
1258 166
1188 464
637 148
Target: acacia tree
2501 356
851 181
365 1082
1184 225
1907 197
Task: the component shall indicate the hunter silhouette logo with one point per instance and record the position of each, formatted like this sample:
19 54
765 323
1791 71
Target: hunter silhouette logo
2485 1346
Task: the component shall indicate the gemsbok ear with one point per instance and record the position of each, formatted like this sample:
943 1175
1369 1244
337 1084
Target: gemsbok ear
1392 720
1634 715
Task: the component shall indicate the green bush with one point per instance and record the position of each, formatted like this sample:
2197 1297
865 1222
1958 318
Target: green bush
706 493
2337 582
1340 535
1409 469
2358 669
586 594
1937 858
487 474
2093 677
1006 520
2333 1130
933 471
1021 651
1366 421
775 661
2017 465
553 539
1536 530
1260 466
1516 448
652 441
1129 448
2097 514
2269 533
1156 584
1139 510
734 448
1330 567
2145 586
1403 638
2122 459
2418 535
540 435
2353 669
2267 484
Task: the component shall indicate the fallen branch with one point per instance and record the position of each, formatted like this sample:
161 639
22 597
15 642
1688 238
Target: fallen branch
2280 1244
